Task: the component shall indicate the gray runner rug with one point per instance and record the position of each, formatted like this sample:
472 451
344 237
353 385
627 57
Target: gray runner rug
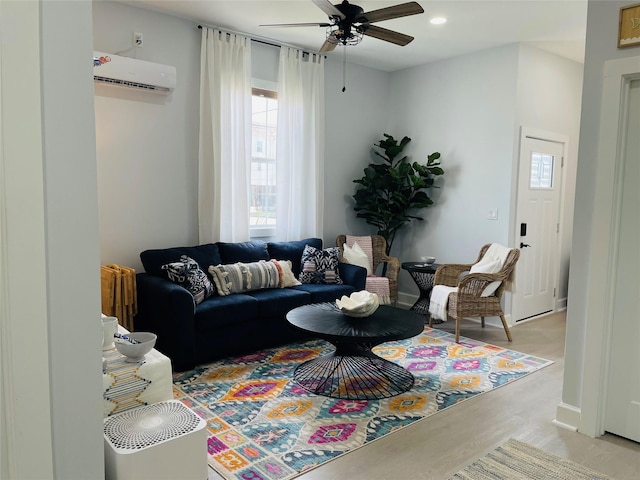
516 460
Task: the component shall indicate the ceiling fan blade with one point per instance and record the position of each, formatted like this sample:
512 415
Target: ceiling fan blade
386 35
329 8
402 10
327 47
296 25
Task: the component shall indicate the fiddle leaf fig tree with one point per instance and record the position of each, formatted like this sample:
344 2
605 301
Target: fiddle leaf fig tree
391 193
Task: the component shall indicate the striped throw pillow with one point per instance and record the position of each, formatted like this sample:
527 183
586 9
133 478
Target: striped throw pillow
244 277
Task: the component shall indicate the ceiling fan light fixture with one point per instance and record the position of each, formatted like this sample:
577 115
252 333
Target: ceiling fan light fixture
338 36
438 20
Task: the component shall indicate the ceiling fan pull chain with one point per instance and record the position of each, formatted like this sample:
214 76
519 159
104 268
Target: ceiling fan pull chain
344 68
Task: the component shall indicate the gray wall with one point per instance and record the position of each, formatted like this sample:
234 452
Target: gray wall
470 109
355 120
549 98
147 145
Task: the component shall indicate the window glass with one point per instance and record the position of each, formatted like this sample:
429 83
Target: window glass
264 121
541 171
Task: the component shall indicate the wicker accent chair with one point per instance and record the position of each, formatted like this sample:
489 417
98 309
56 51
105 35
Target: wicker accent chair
379 245
467 301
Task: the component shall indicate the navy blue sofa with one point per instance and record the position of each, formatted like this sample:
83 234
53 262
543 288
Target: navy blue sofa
236 324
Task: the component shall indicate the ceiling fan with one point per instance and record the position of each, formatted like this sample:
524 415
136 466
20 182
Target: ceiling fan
348 23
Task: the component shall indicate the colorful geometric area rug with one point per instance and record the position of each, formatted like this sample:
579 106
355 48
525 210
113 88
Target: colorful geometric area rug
519 460
263 426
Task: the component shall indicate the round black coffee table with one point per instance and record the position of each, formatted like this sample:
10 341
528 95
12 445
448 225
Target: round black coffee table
353 371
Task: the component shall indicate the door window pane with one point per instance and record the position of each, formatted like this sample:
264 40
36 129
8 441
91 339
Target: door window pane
541 171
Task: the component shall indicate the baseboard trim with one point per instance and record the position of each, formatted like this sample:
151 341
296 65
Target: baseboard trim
406 300
567 417
561 304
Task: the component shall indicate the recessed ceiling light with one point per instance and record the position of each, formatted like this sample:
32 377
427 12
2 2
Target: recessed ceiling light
438 20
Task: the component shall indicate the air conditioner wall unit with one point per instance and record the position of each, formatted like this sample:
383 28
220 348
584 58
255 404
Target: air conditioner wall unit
133 73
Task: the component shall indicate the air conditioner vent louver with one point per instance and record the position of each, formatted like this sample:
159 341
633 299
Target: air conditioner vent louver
133 73
144 427
125 83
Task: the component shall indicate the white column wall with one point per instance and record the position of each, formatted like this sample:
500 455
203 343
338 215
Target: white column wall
72 249
602 28
51 306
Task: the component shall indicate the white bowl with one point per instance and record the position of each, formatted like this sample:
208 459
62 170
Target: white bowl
135 352
428 260
359 304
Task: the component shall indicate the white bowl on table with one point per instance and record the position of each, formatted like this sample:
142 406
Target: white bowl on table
135 352
428 260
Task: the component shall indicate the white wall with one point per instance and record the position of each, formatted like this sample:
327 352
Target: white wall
602 28
147 145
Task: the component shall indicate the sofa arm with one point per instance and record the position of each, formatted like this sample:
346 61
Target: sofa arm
167 310
353 275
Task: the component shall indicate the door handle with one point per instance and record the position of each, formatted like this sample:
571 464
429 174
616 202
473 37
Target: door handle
523 245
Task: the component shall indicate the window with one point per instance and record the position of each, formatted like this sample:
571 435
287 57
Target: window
264 119
541 171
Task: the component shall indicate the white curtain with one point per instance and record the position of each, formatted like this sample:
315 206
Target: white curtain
225 137
300 145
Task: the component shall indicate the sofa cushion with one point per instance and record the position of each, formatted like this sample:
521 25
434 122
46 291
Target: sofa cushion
325 293
320 266
276 303
244 277
245 252
292 251
189 275
217 312
204 255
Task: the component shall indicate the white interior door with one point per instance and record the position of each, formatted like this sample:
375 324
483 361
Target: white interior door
622 415
537 226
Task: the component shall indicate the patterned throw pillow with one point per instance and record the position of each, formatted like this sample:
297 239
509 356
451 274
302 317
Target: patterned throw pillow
187 274
244 277
320 266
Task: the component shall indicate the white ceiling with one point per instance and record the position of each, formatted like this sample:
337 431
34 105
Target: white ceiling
558 26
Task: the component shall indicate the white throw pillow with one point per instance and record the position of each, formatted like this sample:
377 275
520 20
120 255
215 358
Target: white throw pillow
356 256
287 278
490 266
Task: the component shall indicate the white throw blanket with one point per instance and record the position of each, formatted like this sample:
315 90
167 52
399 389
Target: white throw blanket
439 301
496 251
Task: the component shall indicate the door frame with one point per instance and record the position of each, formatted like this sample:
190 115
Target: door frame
618 75
547 136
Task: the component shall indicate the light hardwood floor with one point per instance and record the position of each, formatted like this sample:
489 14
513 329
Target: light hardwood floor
440 445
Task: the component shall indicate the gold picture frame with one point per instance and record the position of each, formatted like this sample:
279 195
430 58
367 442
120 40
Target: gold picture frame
629 27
